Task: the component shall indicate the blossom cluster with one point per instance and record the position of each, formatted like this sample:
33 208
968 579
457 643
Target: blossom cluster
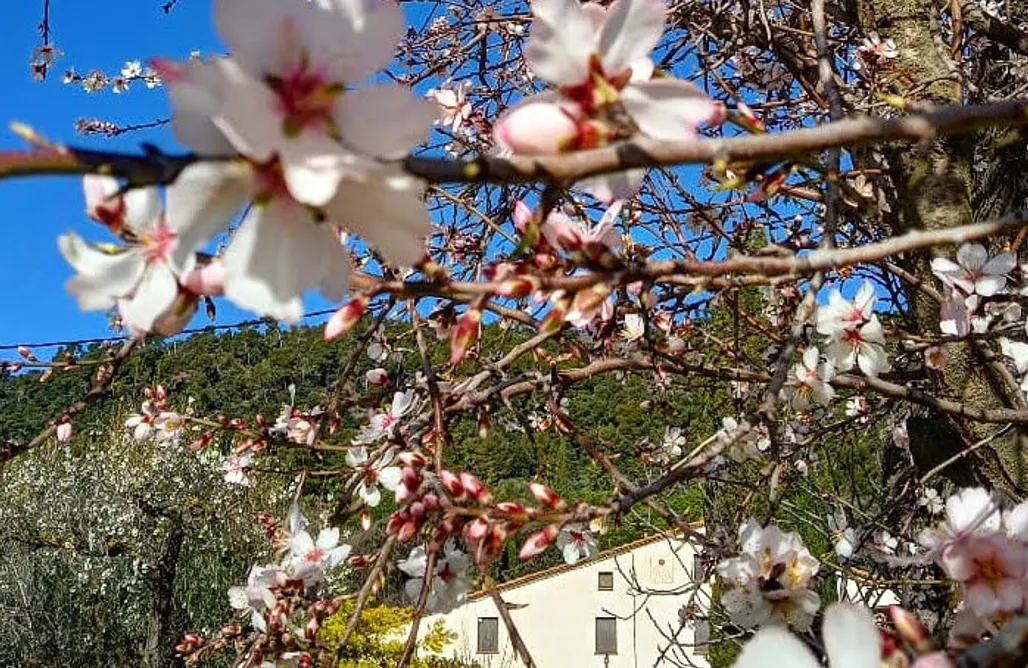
770 579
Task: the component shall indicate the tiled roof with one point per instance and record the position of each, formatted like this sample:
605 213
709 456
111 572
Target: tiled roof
564 568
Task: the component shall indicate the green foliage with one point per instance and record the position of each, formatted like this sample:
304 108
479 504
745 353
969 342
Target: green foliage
379 638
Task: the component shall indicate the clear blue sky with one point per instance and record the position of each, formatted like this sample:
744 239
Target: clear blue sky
103 35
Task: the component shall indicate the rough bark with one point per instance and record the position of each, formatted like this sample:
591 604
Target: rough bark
161 636
935 183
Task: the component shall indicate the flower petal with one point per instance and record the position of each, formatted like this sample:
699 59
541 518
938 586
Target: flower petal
154 294
313 166
249 119
142 209
385 121
617 185
632 29
353 39
277 253
561 43
972 257
669 109
386 212
851 638
778 646
201 202
102 277
195 90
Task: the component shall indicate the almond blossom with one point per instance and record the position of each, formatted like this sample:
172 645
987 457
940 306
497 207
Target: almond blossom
809 380
974 272
575 542
851 640
384 424
141 278
984 550
843 535
374 473
771 579
237 468
292 96
855 335
256 597
598 59
309 559
450 581
454 108
283 247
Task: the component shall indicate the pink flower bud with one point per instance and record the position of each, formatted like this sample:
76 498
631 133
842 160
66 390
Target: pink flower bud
431 501
910 629
63 431
346 317
537 128
465 334
474 487
522 216
27 354
412 459
407 531
377 376
417 510
452 485
208 279
545 496
476 530
365 520
539 541
518 287
748 119
102 202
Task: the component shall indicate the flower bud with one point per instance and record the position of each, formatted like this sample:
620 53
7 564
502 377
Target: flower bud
208 279
546 496
431 501
474 487
417 510
63 431
539 541
27 354
103 204
377 376
411 459
518 287
365 520
910 629
476 530
346 317
407 531
465 334
452 485
537 128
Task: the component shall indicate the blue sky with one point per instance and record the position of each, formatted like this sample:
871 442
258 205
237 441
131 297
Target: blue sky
92 35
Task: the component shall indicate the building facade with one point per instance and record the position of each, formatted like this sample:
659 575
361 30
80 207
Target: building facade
621 609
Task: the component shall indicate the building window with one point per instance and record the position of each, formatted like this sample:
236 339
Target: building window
701 637
698 570
606 581
606 635
488 635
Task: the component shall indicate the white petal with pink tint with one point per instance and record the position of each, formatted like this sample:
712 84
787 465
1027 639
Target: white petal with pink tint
668 109
561 42
387 212
383 121
631 29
